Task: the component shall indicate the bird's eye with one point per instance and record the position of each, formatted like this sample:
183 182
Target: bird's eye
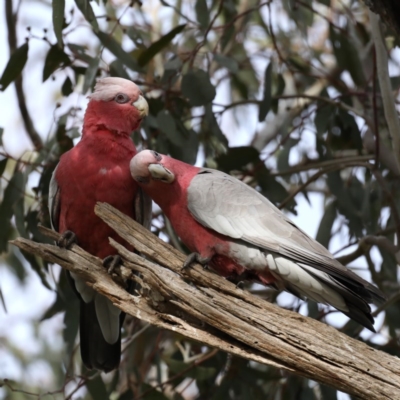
121 98
157 156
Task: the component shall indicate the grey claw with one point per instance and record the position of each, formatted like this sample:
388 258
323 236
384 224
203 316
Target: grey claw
196 257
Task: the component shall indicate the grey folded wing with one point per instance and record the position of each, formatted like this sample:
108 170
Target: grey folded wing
228 206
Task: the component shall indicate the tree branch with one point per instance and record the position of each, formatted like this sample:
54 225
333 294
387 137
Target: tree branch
389 107
213 311
12 44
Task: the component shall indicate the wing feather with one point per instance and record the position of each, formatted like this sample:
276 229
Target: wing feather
230 207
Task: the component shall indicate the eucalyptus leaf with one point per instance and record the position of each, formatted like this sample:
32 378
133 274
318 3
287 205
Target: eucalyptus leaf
58 7
197 87
265 103
159 45
14 66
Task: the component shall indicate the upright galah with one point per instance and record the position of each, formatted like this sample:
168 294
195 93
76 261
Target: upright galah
97 169
239 233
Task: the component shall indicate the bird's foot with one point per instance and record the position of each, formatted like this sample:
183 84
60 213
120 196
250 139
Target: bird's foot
113 264
196 258
240 279
67 239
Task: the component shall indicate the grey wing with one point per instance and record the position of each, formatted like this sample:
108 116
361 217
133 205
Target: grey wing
54 201
143 208
230 207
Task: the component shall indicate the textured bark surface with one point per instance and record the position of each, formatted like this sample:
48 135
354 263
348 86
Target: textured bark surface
203 306
388 10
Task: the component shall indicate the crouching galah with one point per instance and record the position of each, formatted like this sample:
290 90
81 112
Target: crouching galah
239 233
97 169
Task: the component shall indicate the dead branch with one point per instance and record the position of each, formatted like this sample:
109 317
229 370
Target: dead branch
205 307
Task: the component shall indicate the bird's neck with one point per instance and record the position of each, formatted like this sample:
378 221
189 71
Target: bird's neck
103 141
100 115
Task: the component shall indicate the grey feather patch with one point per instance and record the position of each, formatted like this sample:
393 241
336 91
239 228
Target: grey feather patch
108 317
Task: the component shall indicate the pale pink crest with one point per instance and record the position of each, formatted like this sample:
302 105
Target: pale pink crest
139 164
107 88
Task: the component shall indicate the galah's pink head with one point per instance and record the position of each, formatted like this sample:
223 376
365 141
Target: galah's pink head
149 167
116 105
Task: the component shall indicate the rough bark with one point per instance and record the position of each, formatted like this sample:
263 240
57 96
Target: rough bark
388 10
203 306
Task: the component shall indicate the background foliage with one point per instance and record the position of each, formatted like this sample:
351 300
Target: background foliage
294 82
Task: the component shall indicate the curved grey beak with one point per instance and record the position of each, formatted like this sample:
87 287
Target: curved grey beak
161 173
142 106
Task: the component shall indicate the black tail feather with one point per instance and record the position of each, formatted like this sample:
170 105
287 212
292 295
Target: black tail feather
95 351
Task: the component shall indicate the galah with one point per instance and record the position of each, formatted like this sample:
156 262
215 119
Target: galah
239 233
97 169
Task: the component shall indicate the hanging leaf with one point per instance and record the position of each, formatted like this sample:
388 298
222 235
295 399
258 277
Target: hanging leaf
227 62
90 74
197 87
157 46
66 88
56 58
117 69
347 56
202 13
58 20
326 224
97 388
14 191
111 44
237 158
167 125
14 66
87 11
3 164
265 104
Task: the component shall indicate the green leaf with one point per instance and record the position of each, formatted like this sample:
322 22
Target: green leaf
323 117
14 66
197 87
227 62
283 157
325 226
188 147
273 190
157 46
14 191
1 137
167 125
237 158
66 88
111 44
87 11
3 164
202 13
80 52
327 392
265 104
347 56
97 388
117 69
58 20
90 74
56 58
